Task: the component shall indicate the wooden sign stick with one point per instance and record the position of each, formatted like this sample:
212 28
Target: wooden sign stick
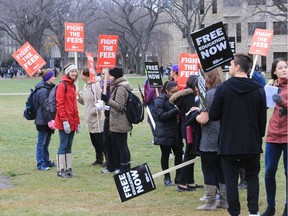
156 175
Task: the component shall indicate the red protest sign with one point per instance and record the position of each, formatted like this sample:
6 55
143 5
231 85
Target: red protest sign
188 65
29 59
90 60
107 51
74 37
261 42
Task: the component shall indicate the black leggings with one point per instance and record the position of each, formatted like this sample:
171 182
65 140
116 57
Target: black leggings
97 142
165 153
212 168
120 139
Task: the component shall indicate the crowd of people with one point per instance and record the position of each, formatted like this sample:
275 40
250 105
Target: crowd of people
227 133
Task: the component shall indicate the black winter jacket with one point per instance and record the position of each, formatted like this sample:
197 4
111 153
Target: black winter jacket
43 115
240 105
166 131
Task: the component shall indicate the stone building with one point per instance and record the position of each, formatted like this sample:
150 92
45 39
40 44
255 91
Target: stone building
240 18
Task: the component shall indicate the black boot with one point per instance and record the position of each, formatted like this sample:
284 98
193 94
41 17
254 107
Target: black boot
99 159
270 211
62 174
70 173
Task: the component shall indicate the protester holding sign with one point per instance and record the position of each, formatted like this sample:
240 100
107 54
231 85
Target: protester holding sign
67 120
118 122
166 133
149 97
276 139
44 121
184 100
240 105
210 160
91 99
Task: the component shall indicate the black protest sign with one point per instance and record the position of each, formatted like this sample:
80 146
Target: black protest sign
202 88
134 182
153 74
232 44
212 46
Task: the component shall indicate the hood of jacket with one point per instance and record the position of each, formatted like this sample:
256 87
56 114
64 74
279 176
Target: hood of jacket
181 93
242 85
121 81
42 84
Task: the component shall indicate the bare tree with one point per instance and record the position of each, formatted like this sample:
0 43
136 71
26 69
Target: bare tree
25 21
275 8
134 22
187 15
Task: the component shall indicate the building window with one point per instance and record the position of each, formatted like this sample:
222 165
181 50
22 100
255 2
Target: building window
214 6
253 25
231 3
202 7
283 55
256 2
226 28
280 28
238 33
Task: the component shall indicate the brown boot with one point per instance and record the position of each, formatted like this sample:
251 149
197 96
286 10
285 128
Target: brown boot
210 200
223 197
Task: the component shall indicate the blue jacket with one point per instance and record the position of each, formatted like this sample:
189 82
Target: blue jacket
43 116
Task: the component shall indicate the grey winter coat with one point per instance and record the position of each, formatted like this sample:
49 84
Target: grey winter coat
118 121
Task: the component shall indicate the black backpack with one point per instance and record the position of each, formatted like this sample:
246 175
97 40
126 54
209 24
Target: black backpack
135 108
50 102
30 108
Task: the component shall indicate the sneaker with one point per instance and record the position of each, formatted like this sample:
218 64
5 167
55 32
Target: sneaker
168 182
242 186
43 168
52 164
204 198
105 171
117 171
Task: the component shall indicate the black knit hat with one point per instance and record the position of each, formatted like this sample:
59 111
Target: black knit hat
116 72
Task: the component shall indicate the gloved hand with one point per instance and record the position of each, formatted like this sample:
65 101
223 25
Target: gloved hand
107 107
105 98
78 128
66 126
277 99
51 125
99 105
282 111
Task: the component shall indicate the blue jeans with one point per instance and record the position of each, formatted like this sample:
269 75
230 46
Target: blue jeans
66 141
42 153
272 157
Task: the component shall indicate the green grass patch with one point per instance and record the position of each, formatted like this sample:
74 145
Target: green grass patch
90 193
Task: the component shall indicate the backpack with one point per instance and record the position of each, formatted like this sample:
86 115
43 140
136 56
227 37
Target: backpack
30 108
50 102
135 108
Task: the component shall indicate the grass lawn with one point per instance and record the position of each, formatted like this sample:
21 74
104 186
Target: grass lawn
90 193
